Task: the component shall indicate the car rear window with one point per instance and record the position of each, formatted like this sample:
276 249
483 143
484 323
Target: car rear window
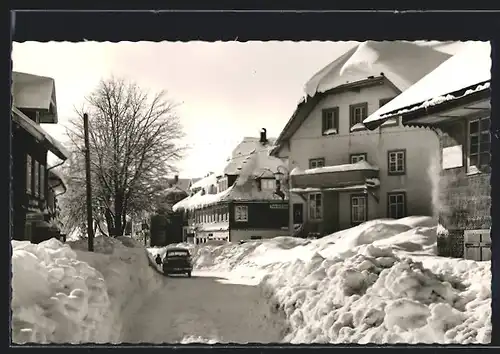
177 254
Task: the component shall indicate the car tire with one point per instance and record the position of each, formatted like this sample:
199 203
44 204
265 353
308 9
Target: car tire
189 274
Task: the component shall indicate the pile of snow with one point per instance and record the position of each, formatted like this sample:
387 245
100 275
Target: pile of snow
379 282
64 294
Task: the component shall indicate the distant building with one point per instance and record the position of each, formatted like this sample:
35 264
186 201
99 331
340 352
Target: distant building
245 201
454 101
33 103
342 174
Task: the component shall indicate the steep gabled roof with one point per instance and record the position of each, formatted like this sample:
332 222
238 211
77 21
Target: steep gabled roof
37 93
468 70
397 62
402 63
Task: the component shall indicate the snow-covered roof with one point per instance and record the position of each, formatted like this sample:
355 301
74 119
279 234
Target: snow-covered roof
244 151
358 166
37 93
470 67
403 63
205 182
449 47
200 199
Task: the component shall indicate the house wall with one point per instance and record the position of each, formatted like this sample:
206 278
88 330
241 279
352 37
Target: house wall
373 209
420 145
464 199
22 144
263 220
261 215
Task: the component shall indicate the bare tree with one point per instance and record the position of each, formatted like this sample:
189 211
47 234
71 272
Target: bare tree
134 141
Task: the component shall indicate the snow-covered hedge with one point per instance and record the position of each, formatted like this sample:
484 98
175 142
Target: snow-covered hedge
64 294
379 282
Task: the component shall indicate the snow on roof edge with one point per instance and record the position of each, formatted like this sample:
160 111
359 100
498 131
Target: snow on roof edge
430 88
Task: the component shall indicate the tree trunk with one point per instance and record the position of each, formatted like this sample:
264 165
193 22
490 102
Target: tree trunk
109 222
119 227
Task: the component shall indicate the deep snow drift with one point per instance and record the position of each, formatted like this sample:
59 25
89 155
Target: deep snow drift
379 282
64 294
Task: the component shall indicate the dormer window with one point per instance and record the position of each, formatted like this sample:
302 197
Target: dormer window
268 184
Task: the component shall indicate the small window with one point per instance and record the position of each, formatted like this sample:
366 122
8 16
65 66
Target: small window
36 178
391 121
241 213
268 184
396 205
317 163
358 209
358 113
29 179
396 162
355 158
330 121
479 144
315 206
42 181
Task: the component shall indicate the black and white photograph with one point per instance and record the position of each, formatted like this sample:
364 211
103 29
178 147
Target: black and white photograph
290 192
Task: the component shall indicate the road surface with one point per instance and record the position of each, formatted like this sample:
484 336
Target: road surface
204 309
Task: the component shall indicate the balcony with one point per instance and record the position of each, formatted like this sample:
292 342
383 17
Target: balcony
339 177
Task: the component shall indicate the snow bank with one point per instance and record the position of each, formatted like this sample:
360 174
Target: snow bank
64 294
379 282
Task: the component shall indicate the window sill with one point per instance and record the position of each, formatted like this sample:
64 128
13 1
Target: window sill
328 134
357 130
476 173
396 173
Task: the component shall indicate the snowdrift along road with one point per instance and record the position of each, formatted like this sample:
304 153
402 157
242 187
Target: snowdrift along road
379 282
63 294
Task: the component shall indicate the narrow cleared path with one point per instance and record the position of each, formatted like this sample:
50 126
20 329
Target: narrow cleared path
204 309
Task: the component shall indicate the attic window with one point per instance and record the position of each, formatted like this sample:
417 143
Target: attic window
268 184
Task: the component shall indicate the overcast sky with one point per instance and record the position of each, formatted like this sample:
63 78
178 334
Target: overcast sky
226 90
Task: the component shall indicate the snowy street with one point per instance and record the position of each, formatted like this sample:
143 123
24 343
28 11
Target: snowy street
203 309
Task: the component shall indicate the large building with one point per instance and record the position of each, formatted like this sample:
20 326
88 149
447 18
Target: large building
244 201
343 174
33 103
454 101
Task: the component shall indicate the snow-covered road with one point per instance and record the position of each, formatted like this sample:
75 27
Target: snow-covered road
205 309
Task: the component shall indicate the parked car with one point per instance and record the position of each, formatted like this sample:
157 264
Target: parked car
177 261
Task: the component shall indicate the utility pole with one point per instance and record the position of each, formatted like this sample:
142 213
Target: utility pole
90 229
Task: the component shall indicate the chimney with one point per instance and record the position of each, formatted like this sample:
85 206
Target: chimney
176 179
263 136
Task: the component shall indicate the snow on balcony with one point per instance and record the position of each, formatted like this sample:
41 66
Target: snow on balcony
370 183
358 166
337 176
